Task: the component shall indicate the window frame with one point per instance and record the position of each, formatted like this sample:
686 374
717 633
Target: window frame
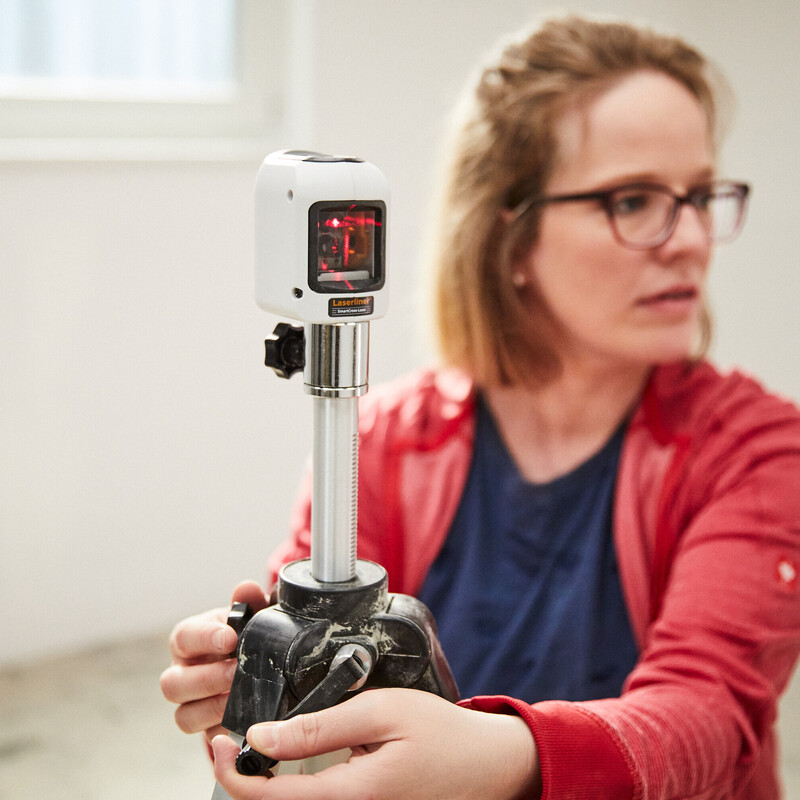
230 125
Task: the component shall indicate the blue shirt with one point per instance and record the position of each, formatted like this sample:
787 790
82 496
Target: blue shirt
525 590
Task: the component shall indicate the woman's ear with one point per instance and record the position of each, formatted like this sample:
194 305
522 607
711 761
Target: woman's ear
519 256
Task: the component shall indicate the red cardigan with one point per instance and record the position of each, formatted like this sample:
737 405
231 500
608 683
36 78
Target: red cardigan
707 533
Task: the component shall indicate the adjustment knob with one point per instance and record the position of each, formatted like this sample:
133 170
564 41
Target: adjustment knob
286 349
238 617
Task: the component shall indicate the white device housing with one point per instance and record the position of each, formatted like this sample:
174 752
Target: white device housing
291 187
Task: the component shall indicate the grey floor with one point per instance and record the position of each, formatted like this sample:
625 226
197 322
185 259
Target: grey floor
94 727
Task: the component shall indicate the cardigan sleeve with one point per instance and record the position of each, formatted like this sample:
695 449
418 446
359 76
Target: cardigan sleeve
588 761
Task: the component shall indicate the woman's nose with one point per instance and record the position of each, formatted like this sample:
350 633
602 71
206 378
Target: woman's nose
690 232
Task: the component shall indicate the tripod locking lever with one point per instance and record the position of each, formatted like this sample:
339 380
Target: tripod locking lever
349 671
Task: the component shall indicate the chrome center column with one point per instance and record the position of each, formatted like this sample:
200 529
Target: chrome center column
335 375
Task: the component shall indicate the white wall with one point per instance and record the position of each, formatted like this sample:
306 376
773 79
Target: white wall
148 458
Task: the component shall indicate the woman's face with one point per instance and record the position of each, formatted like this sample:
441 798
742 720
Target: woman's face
614 305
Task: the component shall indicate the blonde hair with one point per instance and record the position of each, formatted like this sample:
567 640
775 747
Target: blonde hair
503 151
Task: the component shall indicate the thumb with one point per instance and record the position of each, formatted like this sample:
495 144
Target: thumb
358 721
251 593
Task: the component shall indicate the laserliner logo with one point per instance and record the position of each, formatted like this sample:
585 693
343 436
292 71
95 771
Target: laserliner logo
351 306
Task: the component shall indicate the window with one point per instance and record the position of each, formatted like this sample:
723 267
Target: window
114 76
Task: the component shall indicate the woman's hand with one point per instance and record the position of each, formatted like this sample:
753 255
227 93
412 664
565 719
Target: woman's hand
407 745
202 668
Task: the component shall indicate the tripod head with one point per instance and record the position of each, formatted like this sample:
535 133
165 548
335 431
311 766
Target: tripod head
323 641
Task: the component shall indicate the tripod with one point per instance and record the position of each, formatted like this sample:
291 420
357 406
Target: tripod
335 629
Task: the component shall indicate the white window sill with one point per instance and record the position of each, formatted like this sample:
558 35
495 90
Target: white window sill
138 149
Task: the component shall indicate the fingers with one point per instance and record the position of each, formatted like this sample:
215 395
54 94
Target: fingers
202 691
182 684
240 787
201 677
202 671
351 724
217 730
250 592
202 715
237 786
205 636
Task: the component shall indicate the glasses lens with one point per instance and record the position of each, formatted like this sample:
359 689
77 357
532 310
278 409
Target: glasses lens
722 210
642 214
645 216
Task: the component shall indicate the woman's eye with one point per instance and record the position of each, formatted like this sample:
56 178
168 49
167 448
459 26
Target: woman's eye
631 203
704 201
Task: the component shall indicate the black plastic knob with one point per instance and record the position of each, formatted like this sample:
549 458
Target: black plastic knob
238 617
286 349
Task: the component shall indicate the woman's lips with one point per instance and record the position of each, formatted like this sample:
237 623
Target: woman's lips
675 300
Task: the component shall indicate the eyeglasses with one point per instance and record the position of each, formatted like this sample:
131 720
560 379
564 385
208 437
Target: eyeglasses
644 215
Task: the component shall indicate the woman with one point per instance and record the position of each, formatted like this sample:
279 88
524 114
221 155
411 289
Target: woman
605 527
